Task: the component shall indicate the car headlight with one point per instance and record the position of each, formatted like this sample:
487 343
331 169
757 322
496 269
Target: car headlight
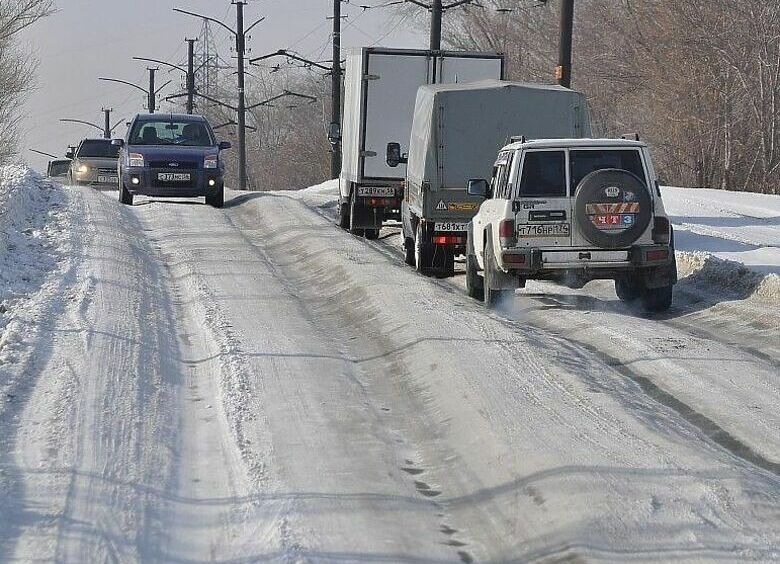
136 159
82 168
210 162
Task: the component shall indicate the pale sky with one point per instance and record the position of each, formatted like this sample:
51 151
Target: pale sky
90 38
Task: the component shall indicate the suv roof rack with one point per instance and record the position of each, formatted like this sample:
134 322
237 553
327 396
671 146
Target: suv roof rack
630 136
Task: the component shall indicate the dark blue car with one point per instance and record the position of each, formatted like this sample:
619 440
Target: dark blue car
173 155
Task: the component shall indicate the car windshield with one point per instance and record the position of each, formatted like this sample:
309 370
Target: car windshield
98 149
59 168
171 132
585 162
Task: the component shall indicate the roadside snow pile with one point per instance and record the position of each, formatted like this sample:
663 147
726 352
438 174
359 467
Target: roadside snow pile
29 232
727 242
327 187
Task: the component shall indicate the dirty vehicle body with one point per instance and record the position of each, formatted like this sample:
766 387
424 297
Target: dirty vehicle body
171 155
58 169
457 130
572 211
94 164
380 90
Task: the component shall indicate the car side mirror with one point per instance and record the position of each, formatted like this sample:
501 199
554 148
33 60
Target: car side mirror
394 156
70 155
118 142
478 187
224 145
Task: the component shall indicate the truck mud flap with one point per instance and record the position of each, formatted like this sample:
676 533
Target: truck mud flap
364 217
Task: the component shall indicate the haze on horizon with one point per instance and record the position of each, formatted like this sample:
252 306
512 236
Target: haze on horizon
86 39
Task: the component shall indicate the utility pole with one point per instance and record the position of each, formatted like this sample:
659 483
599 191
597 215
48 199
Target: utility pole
190 75
436 14
152 97
240 34
107 122
563 70
241 51
335 88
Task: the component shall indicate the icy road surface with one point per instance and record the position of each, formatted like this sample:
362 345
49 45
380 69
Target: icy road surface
254 384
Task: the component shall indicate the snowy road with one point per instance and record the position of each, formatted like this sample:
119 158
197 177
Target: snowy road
254 384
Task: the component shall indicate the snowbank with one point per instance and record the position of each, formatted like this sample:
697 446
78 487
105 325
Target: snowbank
29 234
727 242
327 187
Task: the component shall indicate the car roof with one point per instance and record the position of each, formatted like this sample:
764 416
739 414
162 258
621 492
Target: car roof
574 143
170 116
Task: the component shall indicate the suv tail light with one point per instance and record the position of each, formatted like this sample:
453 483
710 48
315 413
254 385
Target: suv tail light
506 233
661 231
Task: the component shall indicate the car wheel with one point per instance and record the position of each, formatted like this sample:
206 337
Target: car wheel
409 254
474 283
216 200
372 234
655 300
490 294
125 196
422 250
627 290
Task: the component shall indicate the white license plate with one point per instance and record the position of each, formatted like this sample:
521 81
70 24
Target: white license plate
377 191
544 230
107 179
173 176
450 226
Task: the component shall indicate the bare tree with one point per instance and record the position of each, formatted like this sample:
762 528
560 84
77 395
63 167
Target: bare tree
16 66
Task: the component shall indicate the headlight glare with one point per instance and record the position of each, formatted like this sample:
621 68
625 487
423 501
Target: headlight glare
82 168
136 159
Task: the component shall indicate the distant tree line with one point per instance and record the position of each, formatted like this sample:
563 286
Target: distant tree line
16 67
699 79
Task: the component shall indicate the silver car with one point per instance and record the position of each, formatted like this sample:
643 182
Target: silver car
94 163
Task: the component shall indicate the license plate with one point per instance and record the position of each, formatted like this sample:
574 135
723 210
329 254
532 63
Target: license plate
380 191
107 179
450 226
546 230
173 176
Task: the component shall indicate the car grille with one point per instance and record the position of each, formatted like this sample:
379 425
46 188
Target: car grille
182 165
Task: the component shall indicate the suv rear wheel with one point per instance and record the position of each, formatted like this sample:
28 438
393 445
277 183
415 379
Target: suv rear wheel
491 295
627 289
655 300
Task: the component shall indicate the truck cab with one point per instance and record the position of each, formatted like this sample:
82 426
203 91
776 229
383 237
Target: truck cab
572 210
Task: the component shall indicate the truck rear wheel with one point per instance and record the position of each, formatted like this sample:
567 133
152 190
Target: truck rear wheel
125 196
422 251
409 255
372 234
357 231
342 214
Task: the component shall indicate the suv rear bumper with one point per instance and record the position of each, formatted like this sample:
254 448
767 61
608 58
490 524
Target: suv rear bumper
550 264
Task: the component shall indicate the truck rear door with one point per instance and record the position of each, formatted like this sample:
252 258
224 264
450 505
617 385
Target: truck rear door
543 212
392 81
454 69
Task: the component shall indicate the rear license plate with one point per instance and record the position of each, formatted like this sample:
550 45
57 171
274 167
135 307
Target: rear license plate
380 191
547 230
450 226
107 179
173 176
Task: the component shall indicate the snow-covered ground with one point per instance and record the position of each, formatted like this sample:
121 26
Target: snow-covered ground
255 384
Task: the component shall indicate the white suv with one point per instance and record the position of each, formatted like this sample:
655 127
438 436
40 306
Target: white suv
572 210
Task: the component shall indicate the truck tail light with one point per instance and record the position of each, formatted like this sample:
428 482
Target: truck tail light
449 240
506 233
661 231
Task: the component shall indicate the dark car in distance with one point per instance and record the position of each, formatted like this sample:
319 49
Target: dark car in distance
171 155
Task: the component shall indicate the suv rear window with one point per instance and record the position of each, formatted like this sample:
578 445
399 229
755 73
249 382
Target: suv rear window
585 162
544 174
98 149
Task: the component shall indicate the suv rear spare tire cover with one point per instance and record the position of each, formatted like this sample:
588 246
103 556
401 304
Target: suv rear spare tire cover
612 208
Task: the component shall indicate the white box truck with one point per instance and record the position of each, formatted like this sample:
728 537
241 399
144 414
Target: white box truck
380 91
456 132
